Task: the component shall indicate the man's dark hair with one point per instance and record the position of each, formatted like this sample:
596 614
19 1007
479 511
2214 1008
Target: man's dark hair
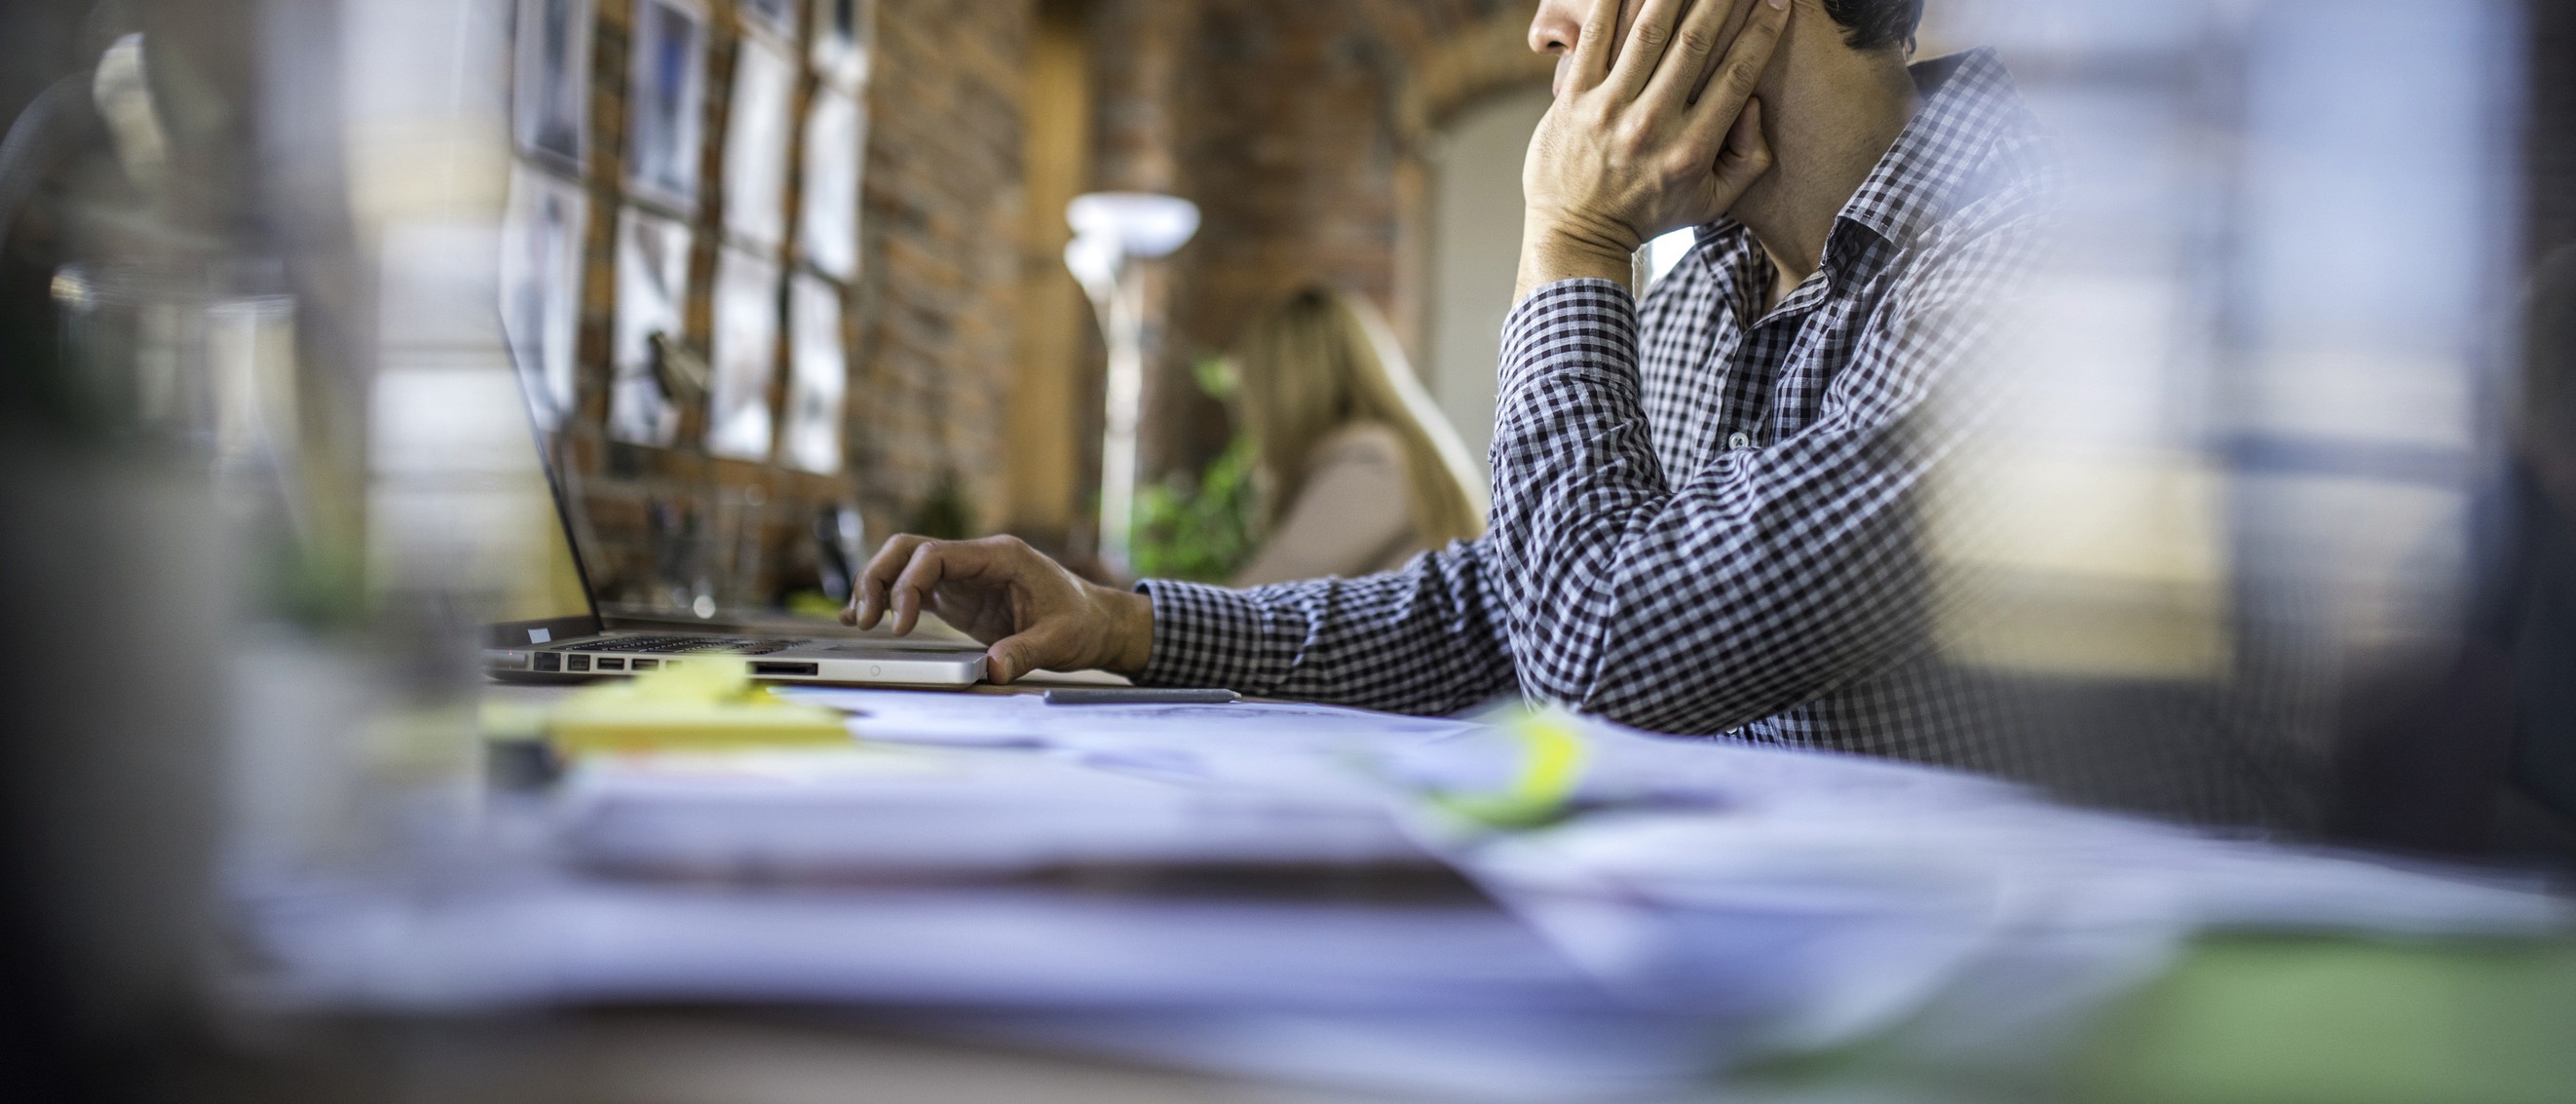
1876 24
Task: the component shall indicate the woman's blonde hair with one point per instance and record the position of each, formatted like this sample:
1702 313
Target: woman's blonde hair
1323 361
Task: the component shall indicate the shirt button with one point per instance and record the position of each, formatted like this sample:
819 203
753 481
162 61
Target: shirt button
1739 441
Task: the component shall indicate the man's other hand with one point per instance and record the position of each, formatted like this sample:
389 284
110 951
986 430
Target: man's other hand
1028 610
1644 138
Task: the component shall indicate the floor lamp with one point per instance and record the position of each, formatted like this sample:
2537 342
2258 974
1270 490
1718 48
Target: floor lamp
1112 230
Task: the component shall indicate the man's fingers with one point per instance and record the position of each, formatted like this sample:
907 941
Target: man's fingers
1645 45
911 590
1746 58
868 598
1040 645
1747 154
1009 658
1592 52
1695 40
1738 13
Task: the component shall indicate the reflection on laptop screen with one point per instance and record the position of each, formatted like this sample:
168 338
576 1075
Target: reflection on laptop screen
460 509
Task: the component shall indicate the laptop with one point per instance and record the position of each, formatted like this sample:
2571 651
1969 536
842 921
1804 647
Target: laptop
578 642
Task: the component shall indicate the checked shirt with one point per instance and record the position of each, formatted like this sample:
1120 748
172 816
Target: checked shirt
1704 513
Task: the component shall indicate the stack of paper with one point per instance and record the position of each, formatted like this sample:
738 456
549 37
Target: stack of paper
913 812
1844 894
1692 902
1007 786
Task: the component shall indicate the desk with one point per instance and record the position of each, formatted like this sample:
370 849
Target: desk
2239 1019
2242 1021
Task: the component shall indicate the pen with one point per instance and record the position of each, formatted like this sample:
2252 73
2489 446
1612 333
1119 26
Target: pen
1137 695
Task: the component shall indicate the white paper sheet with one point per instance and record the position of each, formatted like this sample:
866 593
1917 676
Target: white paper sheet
667 63
760 121
818 375
541 276
745 356
1215 734
912 811
1243 783
542 940
828 227
921 717
550 104
652 293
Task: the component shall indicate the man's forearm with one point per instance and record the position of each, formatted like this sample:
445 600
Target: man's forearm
1788 568
1426 639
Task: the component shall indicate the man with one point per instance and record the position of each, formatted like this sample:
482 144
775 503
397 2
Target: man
1704 503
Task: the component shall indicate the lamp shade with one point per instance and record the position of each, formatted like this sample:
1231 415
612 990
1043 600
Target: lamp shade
1142 223
1094 262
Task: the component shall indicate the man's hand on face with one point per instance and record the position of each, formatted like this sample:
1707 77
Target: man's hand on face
1644 139
1029 610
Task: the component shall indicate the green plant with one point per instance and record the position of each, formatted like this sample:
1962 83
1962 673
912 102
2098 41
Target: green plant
948 514
1198 528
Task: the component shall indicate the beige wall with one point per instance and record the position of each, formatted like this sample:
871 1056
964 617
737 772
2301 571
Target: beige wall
1475 251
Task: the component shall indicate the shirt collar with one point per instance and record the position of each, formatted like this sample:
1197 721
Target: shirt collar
1969 109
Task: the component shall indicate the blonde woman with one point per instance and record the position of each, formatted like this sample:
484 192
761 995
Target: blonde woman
1357 469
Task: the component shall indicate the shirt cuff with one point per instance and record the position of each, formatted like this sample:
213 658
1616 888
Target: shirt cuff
1586 326
1210 636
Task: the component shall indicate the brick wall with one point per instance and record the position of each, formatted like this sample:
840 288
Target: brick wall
939 240
1298 128
1290 148
928 321
1300 131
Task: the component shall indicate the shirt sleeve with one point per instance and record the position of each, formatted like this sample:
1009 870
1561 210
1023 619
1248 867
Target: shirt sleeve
1425 639
1351 511
1768 577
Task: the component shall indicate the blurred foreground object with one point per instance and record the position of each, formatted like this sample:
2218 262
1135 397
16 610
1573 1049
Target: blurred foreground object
2233 471
153 491
234 228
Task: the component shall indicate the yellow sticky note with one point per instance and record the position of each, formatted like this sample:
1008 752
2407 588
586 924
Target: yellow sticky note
706 703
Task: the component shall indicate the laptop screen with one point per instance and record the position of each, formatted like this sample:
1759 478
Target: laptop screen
463 518
460 505
557 605
552 595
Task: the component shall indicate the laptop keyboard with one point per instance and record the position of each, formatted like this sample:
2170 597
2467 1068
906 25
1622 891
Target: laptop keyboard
693 645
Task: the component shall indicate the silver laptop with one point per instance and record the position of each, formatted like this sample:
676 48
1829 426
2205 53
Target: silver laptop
576 644
595 650
582 644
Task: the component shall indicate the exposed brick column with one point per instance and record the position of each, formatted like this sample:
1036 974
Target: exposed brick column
1146 90
1291 149
942 198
